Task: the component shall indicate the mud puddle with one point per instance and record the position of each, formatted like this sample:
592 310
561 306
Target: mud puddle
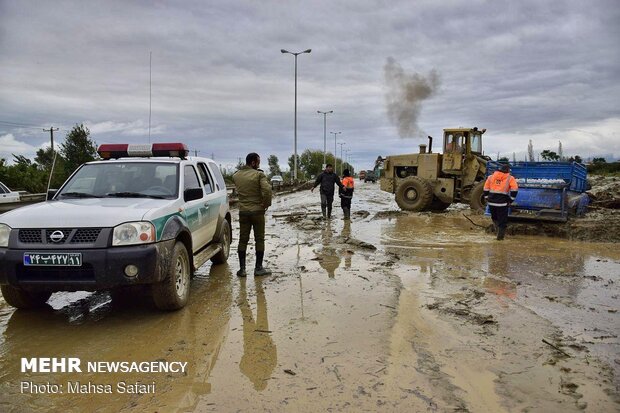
390 312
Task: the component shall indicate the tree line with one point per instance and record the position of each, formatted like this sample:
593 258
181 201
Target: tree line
309 164
33 175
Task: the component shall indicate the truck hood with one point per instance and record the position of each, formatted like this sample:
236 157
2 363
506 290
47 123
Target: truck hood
90 212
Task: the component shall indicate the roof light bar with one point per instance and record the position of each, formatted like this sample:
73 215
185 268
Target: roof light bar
123 150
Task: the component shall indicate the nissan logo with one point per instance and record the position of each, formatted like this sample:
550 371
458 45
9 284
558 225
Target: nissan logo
57 236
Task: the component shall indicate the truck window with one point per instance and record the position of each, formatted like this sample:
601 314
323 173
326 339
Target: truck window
191 179
205 177
218 176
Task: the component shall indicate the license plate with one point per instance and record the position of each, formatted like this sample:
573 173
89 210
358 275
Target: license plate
53 259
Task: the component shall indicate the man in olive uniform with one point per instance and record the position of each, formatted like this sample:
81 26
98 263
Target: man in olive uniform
254 193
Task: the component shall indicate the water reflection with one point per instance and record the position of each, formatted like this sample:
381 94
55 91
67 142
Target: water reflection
328 257
259 351
131 332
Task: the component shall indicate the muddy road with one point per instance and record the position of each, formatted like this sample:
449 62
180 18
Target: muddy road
390 312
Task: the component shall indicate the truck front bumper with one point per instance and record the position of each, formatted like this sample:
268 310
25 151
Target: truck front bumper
101 268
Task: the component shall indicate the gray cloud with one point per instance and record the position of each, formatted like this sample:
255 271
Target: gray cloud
520 69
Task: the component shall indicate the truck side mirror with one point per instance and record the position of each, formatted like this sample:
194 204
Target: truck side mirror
192 194
51 193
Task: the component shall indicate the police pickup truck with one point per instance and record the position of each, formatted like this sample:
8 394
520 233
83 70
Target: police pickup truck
145 215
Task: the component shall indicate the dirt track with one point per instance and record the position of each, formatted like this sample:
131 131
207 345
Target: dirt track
392 312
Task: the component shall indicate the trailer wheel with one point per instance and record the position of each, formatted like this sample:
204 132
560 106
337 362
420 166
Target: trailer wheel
414 194
477 201
20 298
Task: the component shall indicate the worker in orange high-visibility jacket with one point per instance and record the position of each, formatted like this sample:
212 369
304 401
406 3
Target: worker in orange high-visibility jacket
500 190
346 193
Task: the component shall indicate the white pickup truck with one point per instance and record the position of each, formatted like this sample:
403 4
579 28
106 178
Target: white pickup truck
6 195
145 215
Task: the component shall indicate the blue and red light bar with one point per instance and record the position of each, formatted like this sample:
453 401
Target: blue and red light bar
125 150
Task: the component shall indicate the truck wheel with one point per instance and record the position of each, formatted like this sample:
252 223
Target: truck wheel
173 292
20 298
438 206
224 240
414 194
477 202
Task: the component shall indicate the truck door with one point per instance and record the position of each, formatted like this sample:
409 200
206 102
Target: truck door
212 200
196 211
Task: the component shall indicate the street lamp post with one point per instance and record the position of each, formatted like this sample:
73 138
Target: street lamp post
341 161
324 135
295 154
335 151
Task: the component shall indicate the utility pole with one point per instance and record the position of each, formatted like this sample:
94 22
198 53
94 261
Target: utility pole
324 135
51 131
196 152
335 149
295 154
341 161
150 90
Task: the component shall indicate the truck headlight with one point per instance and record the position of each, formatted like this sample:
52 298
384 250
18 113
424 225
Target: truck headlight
131 233
5 230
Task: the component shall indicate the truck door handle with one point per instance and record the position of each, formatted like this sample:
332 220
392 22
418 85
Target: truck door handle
206 205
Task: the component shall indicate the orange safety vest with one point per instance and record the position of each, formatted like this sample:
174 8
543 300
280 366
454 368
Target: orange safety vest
500 187
348 182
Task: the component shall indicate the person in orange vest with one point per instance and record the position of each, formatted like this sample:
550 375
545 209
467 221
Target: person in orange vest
500 190
346 193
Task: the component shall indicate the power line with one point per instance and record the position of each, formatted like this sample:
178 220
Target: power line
23 125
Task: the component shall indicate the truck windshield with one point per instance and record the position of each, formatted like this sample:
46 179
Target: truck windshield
123 180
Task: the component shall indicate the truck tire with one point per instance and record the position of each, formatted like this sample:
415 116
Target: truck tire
224 239
20 298
414 194
173 292
438 206
477 202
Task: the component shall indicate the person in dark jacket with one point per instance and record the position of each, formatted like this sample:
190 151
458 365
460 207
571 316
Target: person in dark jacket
500 190
346 193
327 179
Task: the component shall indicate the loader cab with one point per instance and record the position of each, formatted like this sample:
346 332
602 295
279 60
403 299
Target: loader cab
463 141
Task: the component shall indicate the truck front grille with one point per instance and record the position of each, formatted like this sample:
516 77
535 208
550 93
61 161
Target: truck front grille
85 236
30 236
70 236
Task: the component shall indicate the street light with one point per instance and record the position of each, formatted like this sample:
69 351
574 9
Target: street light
335 151
295 155
324 135
341 163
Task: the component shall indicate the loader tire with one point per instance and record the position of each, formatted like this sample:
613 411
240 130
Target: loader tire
439 206
477 202
414 194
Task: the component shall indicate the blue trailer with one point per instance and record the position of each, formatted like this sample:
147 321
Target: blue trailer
548 191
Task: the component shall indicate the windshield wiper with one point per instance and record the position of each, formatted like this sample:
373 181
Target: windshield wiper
134 195
79 195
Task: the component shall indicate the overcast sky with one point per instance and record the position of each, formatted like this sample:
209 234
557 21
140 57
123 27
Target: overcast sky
540 70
